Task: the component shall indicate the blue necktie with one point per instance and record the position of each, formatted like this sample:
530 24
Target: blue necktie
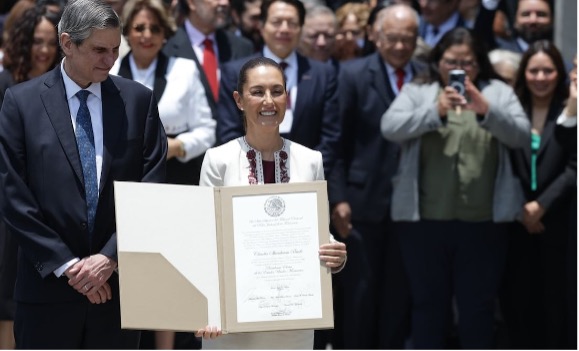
85 142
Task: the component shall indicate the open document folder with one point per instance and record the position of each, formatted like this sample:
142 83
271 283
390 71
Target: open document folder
241 258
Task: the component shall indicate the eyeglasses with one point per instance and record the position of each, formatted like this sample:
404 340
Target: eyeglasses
394 39
154 29
452 64
315 36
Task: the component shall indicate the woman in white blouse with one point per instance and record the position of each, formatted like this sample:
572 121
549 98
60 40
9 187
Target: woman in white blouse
262 156
180 95
176 84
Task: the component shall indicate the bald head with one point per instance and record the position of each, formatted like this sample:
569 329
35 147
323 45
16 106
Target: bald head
396 30
395 13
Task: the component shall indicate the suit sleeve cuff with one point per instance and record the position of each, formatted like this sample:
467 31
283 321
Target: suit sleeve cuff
60 270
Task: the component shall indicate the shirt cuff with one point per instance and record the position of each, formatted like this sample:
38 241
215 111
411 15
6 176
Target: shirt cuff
490 4
567 121
60 270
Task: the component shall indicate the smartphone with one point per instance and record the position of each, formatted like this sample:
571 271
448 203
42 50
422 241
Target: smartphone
456 80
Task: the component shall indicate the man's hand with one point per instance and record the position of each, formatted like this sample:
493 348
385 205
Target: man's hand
341 219
102 295
89 274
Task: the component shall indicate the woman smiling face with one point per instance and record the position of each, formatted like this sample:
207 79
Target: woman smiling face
44 48
541 75
146 36
263 99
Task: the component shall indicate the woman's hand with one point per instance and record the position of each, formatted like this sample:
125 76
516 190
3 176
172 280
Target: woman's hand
333 254
449 99
209 332
341 219
477 102
532 214
572 102
175 148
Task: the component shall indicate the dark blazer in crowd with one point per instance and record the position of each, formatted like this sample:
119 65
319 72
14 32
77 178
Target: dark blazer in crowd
375 293
230 47
43 197
8 246
367 162
315 116
534 297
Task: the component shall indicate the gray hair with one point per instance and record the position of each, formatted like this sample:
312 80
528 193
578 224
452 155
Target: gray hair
391 9
505 56
317 10
81 17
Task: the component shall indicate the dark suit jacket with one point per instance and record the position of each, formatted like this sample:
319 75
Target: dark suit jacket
315 122
423 26
41 176
6 81
367 161
229 45
556 166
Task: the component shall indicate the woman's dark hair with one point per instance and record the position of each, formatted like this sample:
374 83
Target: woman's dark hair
251 64
561 91
18 48
459 36
256 62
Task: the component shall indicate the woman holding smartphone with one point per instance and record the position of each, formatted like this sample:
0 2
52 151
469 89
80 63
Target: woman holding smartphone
455 189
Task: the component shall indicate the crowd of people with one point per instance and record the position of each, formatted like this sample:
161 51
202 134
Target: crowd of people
456 204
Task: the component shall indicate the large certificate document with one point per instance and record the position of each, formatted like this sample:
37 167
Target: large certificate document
241 258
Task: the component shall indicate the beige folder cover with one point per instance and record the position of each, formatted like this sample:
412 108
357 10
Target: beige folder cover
176 266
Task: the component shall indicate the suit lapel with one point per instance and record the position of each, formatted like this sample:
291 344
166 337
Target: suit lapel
160 80
223 46
380 80
549 127
125 68
305 88
56 105
113 116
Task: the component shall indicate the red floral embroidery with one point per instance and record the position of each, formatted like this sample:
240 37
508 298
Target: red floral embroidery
284 177
252 158
252 166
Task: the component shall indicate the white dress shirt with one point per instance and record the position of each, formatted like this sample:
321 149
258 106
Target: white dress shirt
393 78
291 76
95 107
196 38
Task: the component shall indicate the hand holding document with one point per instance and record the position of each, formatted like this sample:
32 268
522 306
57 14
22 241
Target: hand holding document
258 248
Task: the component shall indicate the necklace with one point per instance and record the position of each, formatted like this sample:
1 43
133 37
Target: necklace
256 166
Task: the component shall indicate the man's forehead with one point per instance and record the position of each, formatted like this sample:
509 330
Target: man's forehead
106 38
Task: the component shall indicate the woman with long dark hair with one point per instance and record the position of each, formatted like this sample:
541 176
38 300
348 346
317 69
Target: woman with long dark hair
31 49
535 281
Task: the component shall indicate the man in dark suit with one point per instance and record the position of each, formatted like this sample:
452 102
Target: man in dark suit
311 118
437 18
65 137
376 298
533 21
206 19
203 34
